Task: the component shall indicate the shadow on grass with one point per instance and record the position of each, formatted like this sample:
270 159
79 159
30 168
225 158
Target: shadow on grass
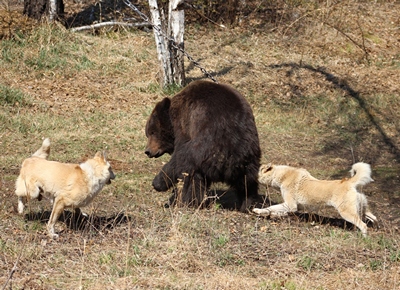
224 198
323 220
343 85
192 66
82 222
316 219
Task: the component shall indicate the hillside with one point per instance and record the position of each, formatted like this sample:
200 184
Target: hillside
323 81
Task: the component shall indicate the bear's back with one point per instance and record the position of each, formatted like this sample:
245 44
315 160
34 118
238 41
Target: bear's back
204 107
212 98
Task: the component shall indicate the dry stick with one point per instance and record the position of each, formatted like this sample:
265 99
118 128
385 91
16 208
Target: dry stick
207 18
110 23
352 154
363 41
83 263
127 251
351 39
298 19
15 265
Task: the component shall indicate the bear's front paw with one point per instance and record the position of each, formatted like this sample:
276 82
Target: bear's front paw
160 182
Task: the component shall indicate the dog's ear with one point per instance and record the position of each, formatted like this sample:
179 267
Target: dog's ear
105 155
99 154
266 167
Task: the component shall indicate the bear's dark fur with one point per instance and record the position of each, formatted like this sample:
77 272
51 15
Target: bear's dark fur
210 132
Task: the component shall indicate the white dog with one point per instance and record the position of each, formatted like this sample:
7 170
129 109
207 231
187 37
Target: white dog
67 185
298 187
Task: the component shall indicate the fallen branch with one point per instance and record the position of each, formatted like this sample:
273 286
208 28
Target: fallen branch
14 268
110 23
362 47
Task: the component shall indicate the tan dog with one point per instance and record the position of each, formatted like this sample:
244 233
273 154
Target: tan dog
298 187
66 185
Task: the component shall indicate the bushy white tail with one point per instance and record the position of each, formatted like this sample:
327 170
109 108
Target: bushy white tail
361 173
43 151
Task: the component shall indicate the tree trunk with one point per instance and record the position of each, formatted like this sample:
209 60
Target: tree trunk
161 43
171 59
38 8
53 10
176 30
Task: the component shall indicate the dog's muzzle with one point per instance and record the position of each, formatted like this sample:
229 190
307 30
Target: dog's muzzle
112 176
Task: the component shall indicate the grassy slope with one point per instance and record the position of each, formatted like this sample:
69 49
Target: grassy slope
318 103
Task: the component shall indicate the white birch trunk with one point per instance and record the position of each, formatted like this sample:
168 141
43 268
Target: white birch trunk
161 44
176 30
52 10
170 58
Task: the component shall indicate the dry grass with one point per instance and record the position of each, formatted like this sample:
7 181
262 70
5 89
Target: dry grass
320 101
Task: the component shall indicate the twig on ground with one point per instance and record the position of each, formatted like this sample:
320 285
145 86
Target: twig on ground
362 47
14 268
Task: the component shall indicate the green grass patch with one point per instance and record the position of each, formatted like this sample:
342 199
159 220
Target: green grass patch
13 97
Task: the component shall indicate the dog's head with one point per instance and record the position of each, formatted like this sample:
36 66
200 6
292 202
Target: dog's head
104 170
265 174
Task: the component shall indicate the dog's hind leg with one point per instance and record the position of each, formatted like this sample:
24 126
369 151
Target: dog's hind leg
21 201
351 216
25 191
369 216
58 208
363 208
22 192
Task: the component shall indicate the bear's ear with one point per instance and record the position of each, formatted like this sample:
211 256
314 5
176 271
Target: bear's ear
163 105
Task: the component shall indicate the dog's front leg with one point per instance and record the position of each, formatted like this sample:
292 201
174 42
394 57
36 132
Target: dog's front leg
280 210
277 210
58 207
263 211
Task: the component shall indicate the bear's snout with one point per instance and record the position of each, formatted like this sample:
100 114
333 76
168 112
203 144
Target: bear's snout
152 154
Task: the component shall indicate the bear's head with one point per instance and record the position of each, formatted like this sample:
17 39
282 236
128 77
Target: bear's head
159 130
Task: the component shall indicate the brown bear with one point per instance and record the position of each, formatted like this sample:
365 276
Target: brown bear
210 133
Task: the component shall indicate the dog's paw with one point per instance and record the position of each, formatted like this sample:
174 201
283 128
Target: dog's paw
54 236
52 233
261 211
257 210
279 214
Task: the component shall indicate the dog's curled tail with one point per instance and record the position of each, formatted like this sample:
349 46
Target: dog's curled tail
43 151
361 173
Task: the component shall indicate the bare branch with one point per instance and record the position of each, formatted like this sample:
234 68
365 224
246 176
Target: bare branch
362 47
110 23
14 268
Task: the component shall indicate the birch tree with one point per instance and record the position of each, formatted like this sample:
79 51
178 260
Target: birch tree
167 40
176 30
38 9
53 10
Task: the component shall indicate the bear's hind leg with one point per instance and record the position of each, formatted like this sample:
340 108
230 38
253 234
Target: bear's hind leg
194 189
247 193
